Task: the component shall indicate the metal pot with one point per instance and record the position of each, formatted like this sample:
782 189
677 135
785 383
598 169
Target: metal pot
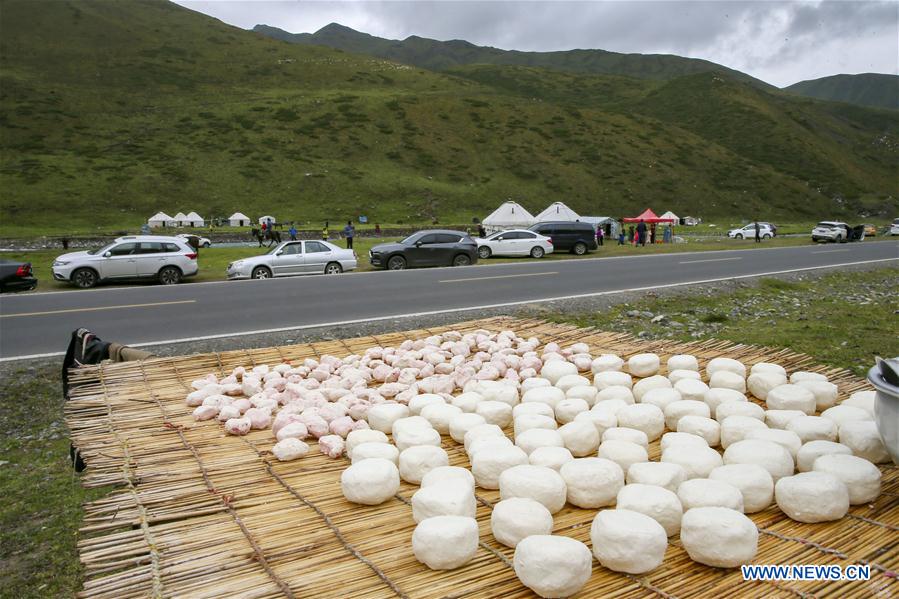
886 411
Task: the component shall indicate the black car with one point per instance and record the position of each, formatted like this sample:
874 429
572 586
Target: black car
576 237
426 248
16 276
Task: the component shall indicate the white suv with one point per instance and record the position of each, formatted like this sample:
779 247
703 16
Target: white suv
830 230
167 259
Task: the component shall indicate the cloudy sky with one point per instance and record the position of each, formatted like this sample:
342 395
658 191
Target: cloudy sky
778 42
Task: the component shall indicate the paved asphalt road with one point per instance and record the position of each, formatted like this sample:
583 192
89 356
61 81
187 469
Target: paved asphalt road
141 314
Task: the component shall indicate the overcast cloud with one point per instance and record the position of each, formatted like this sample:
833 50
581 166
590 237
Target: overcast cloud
778 42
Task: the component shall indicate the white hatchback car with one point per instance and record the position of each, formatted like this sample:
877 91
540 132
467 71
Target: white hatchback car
167 259
295 258
204 242
748 232
517 242
894 228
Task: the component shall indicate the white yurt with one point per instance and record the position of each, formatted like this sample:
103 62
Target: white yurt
194 220
239 219
180 219
672 216
160 219
266 218
510 215
557 211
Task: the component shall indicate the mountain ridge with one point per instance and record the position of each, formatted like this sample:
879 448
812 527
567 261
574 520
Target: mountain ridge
877 90
440 55
111 111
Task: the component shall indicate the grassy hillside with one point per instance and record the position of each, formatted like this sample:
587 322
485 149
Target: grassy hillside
111 111
868 89
438 55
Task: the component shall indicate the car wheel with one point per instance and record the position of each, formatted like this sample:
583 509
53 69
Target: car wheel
207 244
333 268
396 263
738 236
579 248
261 272
537 252
461 260
766 236
839 239
484 252
85 278
169 276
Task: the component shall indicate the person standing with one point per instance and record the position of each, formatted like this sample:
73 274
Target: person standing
630 234
293 232
325 232
349 231
599 235
621 235
641 232
652 234
482 232
377 230
758 232
666 236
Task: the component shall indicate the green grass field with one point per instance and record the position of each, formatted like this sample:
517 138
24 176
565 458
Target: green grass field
214 261
841 319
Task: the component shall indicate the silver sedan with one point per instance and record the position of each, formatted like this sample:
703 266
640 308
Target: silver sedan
295 258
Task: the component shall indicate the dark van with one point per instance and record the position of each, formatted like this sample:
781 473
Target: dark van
576 237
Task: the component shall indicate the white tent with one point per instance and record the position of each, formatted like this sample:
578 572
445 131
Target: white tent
266 218
180 219
510 215
557 211
160 219
239 219
670 214
609 225
194 220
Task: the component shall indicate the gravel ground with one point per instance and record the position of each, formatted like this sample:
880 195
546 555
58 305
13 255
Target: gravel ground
535 310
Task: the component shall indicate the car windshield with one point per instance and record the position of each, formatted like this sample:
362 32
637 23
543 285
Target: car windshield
411 239
497 234
100 250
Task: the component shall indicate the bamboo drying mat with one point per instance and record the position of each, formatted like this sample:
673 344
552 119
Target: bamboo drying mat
200 514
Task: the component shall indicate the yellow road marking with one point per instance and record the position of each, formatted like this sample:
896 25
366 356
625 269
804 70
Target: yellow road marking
97 309
534 274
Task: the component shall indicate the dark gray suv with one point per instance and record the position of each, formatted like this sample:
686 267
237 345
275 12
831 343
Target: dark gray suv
576 237
426 248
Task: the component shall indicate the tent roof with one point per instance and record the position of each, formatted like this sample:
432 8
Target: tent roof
509 214
160 216
238 216
648 216
180 216
194 216
596 220
670 214
557 211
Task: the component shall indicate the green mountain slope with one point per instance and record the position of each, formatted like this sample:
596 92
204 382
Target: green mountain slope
438 55
868 89
111 111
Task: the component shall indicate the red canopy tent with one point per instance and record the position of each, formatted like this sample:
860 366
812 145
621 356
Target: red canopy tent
648 216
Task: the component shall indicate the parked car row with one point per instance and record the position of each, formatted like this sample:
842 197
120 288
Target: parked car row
169 260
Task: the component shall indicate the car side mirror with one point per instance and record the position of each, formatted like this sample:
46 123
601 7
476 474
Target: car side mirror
279 252
107 254
499 238
418 244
